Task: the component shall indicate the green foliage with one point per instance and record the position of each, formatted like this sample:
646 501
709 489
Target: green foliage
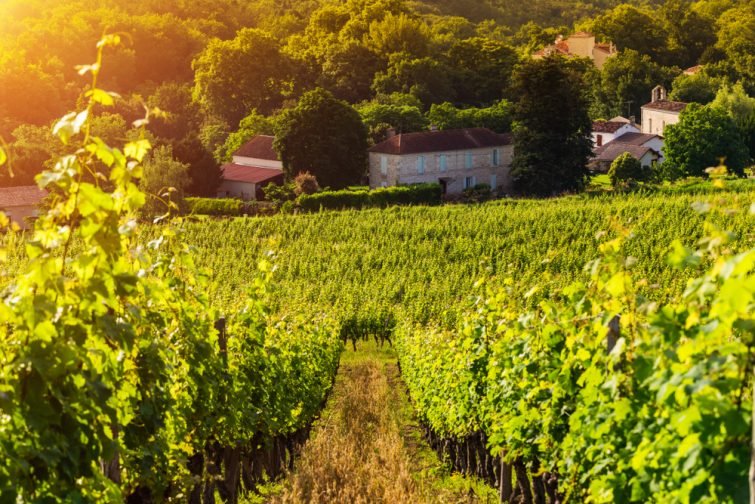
625 169
552 130
630 27
235 76
740 107
416 194
698 87
164 180
497 117
112 374
323 136
703 136
380 117
658 410
214 206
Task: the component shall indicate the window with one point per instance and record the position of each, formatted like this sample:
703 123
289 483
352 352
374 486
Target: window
650 125
495 157
443 162
420 164
384 165
599 141
467 160
469 182
493 181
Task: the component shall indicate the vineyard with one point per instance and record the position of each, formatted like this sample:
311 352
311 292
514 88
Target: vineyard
577 349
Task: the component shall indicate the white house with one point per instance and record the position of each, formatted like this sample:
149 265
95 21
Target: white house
660 112
581 45
456 159
255 164
606 131
21 204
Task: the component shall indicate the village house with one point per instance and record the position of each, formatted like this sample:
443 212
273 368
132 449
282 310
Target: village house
660 112
581 45
606 131
21 204
255 164
642 146
456 159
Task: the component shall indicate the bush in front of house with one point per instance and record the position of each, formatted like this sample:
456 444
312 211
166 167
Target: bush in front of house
625 170
215 206
478 193
418 194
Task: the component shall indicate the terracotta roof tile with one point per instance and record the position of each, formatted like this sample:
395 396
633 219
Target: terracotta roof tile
259 147
252 174
440 141
668 105
21 196
607 126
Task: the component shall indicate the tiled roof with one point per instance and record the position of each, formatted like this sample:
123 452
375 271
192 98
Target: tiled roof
440 141
252 174
20 196
635 138
612 150
693 70
607 126
668 105
259 147
603 47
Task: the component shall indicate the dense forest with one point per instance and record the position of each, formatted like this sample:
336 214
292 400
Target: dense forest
211 68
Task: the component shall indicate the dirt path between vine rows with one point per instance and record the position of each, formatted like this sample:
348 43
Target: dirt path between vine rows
367 447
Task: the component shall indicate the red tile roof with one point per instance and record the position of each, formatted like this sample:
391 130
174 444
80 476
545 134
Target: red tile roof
667 105
693 70
635 138
252 174
440 141
259 147
607 126
21 196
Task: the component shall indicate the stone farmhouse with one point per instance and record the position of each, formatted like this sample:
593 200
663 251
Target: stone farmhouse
581 45
21 204
456 159
255 164
660 112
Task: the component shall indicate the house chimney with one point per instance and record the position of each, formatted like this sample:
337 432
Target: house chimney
632 120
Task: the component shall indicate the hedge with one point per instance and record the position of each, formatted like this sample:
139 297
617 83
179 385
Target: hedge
417 194
214 206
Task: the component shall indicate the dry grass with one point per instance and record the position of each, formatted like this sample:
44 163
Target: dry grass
357 454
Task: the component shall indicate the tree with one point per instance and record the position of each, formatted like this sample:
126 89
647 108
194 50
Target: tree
627 79
625 169
689 34
164 180
698 88
631 28
235 76
426 78
378 118
704 135
485 68
551 128
497 117
323 136
741 108
736 37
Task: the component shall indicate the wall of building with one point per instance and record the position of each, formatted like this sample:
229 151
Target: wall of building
654 121
235 189
403 169
581 46
263 163
21 215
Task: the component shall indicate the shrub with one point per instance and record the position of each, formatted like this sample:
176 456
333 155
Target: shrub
419 194
305 183
478 193
624 170
214 206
